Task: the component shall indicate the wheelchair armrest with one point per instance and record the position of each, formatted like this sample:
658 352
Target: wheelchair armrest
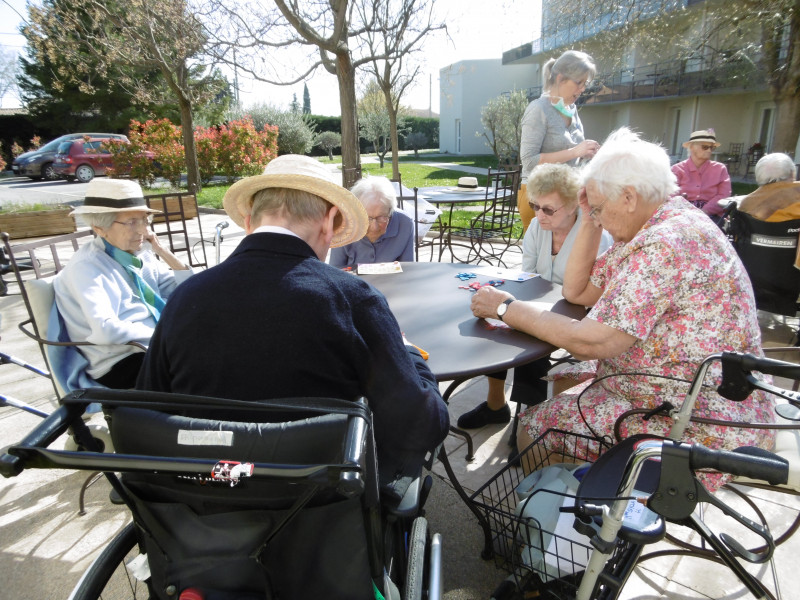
410 505
402 487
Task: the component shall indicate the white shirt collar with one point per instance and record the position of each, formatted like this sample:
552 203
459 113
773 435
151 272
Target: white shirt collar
275 229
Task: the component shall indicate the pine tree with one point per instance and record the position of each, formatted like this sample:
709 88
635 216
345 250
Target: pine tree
306 100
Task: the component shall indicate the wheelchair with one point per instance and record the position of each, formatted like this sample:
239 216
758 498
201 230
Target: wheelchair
241 500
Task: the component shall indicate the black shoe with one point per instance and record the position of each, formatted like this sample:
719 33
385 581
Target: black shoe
483 415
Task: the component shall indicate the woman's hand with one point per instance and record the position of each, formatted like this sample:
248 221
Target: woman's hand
587 148
164 253
151 237
486 300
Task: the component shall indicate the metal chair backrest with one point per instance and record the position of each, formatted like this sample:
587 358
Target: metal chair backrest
178 209
350 176
45 258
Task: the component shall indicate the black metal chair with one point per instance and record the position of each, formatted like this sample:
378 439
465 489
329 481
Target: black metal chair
752 158
734 157
178 208
491 232
350 176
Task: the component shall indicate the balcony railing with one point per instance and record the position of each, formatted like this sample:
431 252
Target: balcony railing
677 77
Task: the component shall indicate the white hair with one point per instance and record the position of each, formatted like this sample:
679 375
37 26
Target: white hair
103 220
626 160
378 188
775 167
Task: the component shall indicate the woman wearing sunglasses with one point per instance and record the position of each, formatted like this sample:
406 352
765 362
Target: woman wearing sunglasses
702 181
552 192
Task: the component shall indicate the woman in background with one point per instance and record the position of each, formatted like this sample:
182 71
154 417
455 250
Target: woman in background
551 128
390 235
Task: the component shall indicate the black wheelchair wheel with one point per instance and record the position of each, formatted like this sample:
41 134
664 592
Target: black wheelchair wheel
108 577
415 571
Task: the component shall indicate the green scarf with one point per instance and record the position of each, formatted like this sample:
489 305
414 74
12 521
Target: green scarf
133 265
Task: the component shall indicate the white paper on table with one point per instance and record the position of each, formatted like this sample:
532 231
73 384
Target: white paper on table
507 274
379 268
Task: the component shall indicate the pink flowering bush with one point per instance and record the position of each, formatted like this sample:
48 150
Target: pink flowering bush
235 149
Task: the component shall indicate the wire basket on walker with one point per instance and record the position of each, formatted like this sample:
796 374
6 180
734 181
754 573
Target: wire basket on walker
527 534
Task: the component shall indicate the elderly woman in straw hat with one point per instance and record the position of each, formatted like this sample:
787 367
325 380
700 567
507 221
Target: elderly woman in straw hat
114 288
702 181
291 325
668 293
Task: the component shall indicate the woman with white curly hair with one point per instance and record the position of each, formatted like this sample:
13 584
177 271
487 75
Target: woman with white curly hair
668 293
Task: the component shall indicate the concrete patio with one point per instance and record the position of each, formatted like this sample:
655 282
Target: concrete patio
45 545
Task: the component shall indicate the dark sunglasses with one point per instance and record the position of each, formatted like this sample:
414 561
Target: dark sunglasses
545 209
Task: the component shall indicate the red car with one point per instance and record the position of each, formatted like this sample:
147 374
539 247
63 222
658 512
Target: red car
84 159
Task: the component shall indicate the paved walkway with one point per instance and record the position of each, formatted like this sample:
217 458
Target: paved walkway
45 545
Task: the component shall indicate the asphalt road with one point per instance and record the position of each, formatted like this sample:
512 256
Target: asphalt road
21 190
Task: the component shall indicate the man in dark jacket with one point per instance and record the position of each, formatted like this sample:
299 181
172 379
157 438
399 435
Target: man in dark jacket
275 321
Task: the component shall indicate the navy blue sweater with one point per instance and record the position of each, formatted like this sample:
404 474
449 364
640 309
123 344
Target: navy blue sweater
273 321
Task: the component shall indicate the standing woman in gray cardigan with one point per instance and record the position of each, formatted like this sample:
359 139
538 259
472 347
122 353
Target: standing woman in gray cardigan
551 128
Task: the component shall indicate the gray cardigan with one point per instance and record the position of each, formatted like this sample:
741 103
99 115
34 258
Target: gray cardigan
543 131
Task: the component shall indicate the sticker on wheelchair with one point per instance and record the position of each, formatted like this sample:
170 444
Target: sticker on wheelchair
231 471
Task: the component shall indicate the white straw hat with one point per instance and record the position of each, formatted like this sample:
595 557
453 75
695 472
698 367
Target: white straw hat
704 135
112 195
297 172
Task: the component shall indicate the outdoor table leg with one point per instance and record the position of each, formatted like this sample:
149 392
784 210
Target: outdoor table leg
487 535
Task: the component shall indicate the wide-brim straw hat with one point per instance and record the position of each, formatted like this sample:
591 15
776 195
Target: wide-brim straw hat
706 136
113 195
297 172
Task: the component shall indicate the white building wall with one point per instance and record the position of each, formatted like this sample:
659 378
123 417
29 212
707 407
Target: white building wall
465 88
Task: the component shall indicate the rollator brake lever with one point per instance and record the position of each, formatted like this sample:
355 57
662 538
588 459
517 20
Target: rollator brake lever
735 547
678 493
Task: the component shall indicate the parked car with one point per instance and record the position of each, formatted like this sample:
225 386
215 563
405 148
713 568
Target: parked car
38 164
84 159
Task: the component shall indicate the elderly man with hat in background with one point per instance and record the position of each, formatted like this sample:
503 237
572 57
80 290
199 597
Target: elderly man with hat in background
778 195
275 321
702 181
114 288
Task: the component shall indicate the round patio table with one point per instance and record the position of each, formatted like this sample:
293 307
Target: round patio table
434 313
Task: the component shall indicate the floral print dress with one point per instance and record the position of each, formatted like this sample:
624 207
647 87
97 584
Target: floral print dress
680 289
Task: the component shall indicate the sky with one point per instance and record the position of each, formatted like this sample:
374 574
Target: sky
478 29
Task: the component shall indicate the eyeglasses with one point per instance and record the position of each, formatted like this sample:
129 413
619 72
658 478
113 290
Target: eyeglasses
379 220
545 209
706 146
134 223
595 212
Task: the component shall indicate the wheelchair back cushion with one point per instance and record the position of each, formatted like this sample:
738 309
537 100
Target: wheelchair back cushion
211 535
768 251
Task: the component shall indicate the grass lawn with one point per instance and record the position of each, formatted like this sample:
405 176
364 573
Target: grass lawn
413 175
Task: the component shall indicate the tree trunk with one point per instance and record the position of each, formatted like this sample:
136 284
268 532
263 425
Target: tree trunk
787 124
393 129
345 73
189 148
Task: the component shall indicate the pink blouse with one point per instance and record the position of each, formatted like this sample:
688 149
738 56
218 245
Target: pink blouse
705 185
